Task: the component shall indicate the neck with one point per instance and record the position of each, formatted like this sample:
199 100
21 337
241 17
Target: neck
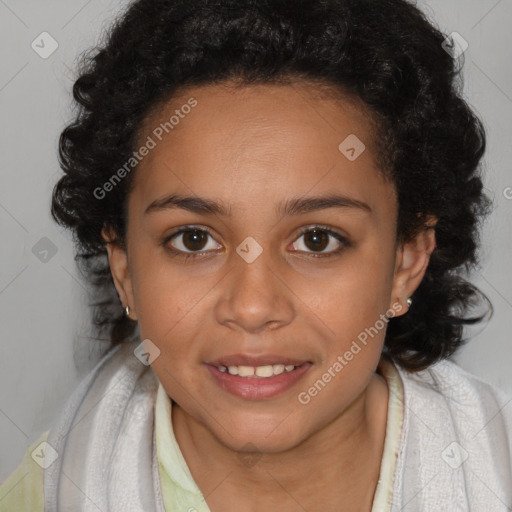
335 468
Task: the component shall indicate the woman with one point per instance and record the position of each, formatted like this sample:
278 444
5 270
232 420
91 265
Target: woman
276 202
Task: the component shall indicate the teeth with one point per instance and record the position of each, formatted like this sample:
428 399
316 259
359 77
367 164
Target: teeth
245 371
262 372
278 369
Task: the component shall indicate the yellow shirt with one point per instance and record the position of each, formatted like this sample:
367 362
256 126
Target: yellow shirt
23 490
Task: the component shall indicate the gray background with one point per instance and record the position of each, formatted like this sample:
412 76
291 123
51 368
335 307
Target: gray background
43 304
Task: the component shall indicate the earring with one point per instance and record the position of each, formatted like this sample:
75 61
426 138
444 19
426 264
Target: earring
127 311
409 302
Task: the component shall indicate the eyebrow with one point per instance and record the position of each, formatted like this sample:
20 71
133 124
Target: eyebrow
290 207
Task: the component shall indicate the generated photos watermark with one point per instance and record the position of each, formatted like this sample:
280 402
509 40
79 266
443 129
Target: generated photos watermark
151 142
305 397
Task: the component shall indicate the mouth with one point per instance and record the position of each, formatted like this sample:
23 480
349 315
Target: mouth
257 381
258 372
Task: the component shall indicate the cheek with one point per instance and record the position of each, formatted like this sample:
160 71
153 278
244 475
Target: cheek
174 305
161 294
166 303
353 308
354 294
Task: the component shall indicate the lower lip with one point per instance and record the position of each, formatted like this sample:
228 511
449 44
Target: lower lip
257 388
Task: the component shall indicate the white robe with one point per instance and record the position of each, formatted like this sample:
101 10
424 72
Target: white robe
453 454
456 444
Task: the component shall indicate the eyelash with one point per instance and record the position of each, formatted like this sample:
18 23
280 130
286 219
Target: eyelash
187 255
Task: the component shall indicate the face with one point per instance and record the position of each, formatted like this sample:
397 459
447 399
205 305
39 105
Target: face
255 241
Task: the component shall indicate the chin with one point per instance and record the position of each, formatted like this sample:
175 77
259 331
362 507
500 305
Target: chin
257 435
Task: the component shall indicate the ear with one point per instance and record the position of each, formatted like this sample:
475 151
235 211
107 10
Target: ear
119 268
412 260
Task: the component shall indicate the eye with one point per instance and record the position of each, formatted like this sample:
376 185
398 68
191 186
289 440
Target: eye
321 240
189 240
192 242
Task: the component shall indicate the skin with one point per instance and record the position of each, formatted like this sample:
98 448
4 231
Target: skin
252 148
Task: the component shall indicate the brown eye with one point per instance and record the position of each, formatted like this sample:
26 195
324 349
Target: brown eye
190 240
195 240
316 240
321 240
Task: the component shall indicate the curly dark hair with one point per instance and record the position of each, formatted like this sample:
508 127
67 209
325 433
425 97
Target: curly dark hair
384 52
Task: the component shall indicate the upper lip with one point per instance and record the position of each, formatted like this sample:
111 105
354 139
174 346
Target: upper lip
253 360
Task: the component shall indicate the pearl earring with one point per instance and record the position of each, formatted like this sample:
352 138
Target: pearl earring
127 311
409 302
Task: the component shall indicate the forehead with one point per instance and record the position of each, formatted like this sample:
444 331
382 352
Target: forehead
254 142
228 113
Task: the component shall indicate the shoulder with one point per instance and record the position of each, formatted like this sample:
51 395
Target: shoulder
462 398
23 491
455 442
457 432
24 488
448 383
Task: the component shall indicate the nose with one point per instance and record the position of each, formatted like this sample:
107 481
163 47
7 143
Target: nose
255 296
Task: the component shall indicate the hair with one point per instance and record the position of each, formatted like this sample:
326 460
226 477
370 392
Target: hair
383 52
